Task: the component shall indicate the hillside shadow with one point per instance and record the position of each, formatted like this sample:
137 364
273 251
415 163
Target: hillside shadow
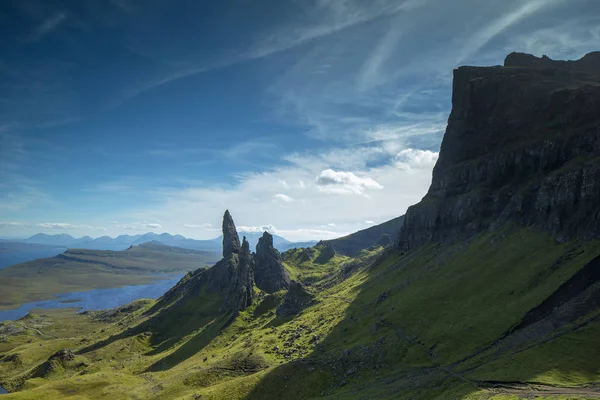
193 345
167 328
342 365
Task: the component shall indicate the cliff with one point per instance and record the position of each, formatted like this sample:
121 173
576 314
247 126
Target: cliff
522 145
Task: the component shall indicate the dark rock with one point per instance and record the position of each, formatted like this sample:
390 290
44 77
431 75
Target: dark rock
296 299
590 63
62 355
269 273
307 254
381 297
521 146
241 285
326 254
231 240
232 277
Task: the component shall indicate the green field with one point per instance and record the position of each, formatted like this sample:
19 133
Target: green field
437 323
79 269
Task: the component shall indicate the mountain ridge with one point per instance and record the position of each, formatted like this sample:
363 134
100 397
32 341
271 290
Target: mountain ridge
123 241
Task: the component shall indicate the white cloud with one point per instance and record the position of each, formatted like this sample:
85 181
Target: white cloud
343 182
299 235
12 224
62 225
257 229
283 197
368 222
416 159
140 226
198 226
569 40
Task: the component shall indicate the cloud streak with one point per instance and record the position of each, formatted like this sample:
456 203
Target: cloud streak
47 26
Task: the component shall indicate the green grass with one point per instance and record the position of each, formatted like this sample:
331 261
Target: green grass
395 329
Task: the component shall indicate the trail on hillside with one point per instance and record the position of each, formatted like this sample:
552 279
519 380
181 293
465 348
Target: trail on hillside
529 390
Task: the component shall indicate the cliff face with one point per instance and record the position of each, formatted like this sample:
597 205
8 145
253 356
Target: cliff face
522 145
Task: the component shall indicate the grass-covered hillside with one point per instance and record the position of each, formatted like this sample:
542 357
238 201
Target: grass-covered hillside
79 269
507 315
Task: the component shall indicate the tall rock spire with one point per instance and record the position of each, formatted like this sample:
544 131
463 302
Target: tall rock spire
269 273
231 240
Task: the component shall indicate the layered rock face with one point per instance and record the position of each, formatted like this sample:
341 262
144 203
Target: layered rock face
269 273
522 145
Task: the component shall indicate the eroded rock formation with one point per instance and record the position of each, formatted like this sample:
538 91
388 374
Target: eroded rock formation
269 273
231 240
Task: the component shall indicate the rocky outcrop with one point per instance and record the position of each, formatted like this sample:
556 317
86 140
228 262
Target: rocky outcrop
269 273
522 145
296 299
241 285
231 240
589 63
326 252
234 276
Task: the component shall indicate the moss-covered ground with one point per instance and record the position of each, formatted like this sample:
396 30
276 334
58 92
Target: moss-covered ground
431 324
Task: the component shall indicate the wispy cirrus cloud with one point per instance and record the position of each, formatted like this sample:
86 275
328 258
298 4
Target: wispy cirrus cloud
47 26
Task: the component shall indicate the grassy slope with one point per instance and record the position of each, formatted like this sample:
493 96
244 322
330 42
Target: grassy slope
398 329
79 269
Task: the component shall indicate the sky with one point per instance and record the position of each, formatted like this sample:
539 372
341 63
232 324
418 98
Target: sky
308 118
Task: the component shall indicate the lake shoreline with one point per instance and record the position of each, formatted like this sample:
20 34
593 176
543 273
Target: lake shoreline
96 299
138 281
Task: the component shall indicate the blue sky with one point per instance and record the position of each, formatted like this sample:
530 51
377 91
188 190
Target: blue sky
310 118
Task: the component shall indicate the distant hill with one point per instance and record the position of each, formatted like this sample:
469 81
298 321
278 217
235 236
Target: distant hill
124 241
382 234
17 252
84 269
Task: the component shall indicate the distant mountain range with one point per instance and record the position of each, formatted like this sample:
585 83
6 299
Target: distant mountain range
124 241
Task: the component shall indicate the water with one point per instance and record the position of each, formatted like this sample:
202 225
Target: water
97 299
8 259
2 391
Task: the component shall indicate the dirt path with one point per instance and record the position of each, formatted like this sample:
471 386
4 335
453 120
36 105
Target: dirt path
535 390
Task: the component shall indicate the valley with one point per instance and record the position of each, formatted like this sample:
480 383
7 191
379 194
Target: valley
488 288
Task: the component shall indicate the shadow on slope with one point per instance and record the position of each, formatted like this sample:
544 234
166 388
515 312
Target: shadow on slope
434 323
188 311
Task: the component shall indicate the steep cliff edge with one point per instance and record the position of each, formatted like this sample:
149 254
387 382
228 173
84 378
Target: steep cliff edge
522 145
